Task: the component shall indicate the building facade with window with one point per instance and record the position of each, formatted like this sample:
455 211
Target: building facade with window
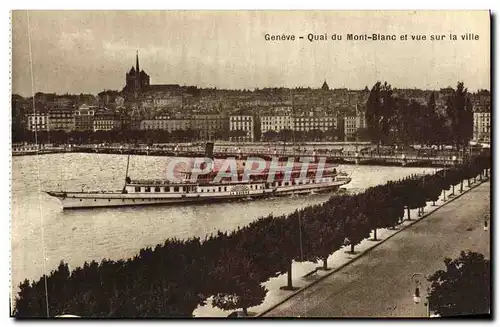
243 125
311 122
106 121
38 121
350 127
165 123
276 123
84 118
482 126
210 126
62 119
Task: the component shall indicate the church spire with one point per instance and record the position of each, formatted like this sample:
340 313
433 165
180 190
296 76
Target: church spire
325 86
137 61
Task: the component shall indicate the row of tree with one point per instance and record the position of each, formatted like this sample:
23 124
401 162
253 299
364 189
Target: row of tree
333 134
173 278
118 136
163 136
392 119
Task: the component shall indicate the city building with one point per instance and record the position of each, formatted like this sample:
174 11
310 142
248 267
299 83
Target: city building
119 101
136 80
158 123
166 123
84 118
38 121
325 86
276 123
107 98
210 126
241 128
167 101
350 127
312 121
105 120
64 101
62 119
482 126
360 118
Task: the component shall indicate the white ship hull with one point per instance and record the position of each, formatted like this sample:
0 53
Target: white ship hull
73 200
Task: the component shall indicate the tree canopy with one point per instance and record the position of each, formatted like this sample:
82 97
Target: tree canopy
463 288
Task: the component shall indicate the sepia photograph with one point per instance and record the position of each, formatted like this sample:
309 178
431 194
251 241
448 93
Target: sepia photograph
250 164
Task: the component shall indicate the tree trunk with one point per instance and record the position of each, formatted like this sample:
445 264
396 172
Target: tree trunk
375 234
245 311
452 190
352 248
325 264
461 186
433 203
408 212
468 182
444 195
289 284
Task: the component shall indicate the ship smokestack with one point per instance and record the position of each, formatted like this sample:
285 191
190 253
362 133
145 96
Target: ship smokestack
209 150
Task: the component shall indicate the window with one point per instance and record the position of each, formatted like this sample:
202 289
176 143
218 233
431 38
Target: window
176 188
147 189
157 189
137 189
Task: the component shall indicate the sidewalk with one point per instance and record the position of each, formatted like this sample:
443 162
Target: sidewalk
378 284
273 304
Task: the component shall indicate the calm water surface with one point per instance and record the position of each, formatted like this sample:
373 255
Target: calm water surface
40 227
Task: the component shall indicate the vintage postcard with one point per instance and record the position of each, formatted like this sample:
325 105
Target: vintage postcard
250 164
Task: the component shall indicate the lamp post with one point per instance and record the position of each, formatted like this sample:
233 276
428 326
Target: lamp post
421 210
444 176
418 279
454 161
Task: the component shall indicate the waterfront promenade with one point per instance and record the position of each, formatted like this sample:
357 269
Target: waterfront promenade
378 284
340 153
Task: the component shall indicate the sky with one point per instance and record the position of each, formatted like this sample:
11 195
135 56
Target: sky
90 51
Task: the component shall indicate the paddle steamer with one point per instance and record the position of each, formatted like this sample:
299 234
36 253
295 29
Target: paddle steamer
209 188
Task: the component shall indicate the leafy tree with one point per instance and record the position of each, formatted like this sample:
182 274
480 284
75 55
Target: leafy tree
380 110
356 222
463 288
362 134
374 112
315 135
327 235
286 135
459 111
270 135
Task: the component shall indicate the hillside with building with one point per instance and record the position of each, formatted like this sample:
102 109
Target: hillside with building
318 114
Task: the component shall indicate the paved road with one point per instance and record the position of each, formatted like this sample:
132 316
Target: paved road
378 284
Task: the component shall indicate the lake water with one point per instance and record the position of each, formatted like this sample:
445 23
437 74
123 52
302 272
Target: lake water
39 226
